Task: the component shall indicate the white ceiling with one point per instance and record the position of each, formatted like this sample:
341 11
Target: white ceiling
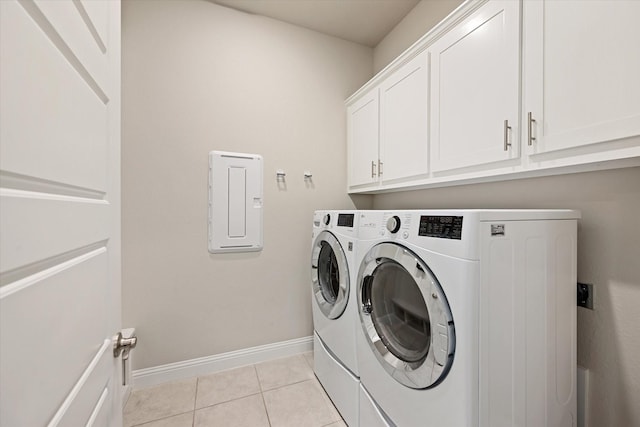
362 21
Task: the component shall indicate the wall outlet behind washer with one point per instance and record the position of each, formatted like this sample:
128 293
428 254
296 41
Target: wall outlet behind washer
585 295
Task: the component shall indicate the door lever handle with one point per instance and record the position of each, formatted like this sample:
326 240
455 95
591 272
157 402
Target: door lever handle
123 345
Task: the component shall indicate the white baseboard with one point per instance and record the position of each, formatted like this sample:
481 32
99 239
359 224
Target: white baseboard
220 362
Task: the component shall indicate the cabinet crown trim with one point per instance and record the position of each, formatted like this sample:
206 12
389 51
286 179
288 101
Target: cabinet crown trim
422 44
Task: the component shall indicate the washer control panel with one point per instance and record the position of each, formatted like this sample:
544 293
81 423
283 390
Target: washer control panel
442 227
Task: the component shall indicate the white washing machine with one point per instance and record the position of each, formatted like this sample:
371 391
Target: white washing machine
334 308
467 318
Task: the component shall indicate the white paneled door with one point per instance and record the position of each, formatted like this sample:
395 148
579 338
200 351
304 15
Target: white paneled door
59 212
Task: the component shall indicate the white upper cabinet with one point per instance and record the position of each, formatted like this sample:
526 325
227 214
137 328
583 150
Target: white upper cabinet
404 121
362 128
475 89
581 77
388 128
503 89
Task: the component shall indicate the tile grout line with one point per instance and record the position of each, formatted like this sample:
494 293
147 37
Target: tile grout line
224 401
287 385
158 419
195 400
266 411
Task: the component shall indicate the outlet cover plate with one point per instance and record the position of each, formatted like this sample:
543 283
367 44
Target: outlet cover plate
585 295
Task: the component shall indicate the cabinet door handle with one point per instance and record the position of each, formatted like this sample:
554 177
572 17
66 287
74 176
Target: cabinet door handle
373 169
530 121
507 128
380 168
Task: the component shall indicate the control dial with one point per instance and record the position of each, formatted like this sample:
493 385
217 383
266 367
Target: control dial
393 224
327 219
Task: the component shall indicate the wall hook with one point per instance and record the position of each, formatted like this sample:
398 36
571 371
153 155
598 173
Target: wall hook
308 180
280 175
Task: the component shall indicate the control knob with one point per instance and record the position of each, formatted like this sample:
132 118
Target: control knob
393 224
326 219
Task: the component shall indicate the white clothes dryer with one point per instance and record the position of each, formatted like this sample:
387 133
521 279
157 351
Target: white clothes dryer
467 318
334 308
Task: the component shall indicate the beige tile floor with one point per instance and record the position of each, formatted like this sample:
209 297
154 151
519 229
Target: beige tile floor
279 393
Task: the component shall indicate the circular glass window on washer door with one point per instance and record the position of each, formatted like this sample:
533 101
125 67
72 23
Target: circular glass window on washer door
405 316
329 275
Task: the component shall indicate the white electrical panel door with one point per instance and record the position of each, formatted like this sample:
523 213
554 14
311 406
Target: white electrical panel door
235 202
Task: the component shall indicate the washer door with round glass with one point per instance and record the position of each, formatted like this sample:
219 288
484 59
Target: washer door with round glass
329 275
405 316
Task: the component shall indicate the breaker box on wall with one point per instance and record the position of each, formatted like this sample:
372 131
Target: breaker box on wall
235 202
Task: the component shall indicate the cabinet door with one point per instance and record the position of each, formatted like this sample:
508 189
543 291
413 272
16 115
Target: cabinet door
581 71
362 124
404 121
474 89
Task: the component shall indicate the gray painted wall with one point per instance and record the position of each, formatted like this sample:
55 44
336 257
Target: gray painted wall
199 77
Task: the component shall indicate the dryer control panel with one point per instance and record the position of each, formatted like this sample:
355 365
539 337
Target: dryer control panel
442 227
